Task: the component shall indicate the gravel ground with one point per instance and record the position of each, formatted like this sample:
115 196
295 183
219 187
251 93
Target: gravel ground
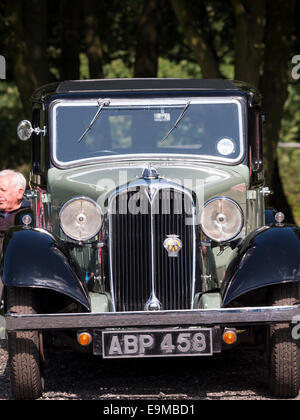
238 374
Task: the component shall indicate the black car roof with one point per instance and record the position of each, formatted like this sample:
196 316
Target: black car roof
144 84
211 86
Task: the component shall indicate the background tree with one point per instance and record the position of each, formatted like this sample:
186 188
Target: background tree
93 42
274 87
250 18
257 22
18 52
191 16
147 49
70 20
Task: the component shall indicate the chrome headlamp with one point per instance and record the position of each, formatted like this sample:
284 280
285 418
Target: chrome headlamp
221 219
81 218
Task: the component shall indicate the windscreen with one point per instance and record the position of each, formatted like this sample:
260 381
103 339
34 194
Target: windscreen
95 130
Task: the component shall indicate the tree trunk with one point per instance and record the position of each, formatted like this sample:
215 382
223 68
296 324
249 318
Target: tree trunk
35 32
199 43
70 39
146 57
274 87
17 53
250 25
92 40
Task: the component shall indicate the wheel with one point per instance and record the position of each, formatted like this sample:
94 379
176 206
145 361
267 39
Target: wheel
283 349
25 349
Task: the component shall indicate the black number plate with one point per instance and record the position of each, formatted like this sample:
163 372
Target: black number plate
157 343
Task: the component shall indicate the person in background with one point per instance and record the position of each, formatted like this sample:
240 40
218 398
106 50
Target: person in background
12 188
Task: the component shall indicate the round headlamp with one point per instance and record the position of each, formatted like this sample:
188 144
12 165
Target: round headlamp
221 219
81 218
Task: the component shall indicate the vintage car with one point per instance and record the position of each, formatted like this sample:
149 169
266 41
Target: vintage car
147 234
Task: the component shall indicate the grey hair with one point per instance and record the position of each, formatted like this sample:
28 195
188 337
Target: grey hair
18 180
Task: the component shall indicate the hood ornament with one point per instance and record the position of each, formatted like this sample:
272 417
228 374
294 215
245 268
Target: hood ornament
150 173
173 245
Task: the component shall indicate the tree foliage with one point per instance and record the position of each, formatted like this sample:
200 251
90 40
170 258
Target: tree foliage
249 40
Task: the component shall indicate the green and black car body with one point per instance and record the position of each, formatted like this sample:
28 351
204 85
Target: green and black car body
148 234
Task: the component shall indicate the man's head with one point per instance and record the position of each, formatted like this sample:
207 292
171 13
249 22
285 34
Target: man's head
12 187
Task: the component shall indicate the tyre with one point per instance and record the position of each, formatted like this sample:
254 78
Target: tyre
283 349
24 349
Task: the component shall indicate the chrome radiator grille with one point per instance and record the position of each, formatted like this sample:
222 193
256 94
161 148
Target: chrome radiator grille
140 267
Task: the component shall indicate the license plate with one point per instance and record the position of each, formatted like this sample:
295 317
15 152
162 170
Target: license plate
157 343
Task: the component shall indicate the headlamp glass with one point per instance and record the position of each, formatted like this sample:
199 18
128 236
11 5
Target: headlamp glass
81 218
221 219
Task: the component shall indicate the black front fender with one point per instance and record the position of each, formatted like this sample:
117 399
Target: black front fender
268 256
34 258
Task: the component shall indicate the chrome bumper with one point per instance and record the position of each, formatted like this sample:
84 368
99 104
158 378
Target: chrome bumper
201 317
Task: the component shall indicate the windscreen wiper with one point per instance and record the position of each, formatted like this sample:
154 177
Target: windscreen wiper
177 121
101 104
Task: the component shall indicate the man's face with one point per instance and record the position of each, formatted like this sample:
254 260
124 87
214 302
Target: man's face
10 198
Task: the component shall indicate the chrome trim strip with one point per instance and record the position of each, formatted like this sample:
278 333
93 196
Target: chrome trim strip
203 317
153 262
149 102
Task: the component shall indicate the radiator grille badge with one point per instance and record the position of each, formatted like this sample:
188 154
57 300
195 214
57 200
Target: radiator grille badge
172 245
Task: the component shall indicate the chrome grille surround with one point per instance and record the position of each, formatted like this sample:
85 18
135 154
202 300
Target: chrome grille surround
141 271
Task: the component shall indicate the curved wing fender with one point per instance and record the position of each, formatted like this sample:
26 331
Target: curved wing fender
268 256
33 258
